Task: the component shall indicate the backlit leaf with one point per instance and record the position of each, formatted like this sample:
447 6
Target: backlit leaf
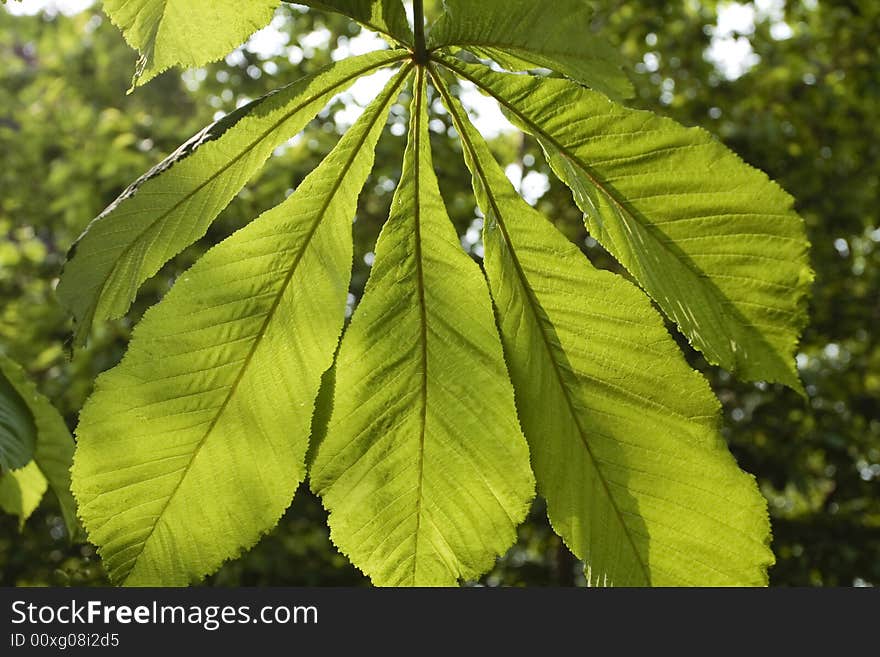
623 434
170 33
424 468
554 35
387 17
192 447
712 240
172 206
21 491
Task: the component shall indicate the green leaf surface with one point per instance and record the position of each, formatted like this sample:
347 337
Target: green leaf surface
18 431
194 445
424 467
386 17
713 241
188 33
21 491
623 434
554 35
52 451
172 206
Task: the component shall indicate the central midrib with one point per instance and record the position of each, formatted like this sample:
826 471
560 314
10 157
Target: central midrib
417 148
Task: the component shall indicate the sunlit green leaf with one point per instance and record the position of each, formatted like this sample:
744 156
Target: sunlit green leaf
193 446
172 206
424 468
623 434
712 240
528 35
170 33
21 491
456 388
387 17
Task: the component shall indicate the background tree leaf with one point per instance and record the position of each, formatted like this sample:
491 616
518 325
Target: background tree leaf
623 434
424 468
52 451
172 206
554 35
169 33
712 240
18 431
21 491
192 447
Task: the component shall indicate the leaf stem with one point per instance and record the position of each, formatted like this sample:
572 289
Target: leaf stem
420 54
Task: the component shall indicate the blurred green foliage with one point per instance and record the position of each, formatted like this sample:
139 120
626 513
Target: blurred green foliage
805 112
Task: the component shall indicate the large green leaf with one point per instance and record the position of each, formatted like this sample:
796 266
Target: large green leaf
172 206
623 434
21 491
424 468
185 32
18 431
193 446
712 240
387 17
554 35
52 450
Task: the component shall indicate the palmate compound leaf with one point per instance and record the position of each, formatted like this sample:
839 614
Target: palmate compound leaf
424 468
553 35
22 485
387 17
623 434
169 33
172 206
713 241
193 446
